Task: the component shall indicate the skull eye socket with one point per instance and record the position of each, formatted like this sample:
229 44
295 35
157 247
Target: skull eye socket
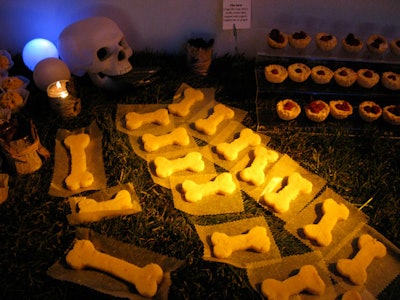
102 54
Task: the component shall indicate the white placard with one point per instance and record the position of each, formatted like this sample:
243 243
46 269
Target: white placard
236 14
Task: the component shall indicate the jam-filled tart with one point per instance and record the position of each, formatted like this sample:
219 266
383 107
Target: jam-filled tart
317 110
345 76
367 78
277 39
391 80
391 114
377 44
288 109
325 41
340 109
299 40
369 111
298 72
275 73
321 74
352 44
395 47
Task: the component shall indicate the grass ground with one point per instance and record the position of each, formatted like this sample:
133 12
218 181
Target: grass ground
34 232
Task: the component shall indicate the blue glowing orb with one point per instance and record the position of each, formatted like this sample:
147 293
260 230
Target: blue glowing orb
36 50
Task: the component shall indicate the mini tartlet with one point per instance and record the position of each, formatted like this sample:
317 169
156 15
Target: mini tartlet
391 114
275 73
345 76
340 109
299 40
317 110
391 80
321 74
277 39
369 111
367 78
377 44
298 72
395 47
325 41
288 109
352 44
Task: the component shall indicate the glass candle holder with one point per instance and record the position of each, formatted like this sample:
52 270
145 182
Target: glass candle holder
63 99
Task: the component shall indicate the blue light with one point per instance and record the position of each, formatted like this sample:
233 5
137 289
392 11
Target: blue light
37 50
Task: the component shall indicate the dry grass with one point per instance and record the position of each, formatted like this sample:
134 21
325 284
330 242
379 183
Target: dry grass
34 232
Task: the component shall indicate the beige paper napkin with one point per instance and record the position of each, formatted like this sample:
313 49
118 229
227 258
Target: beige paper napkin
380 273
282 269
205 112
62 162
313 213
244 258
108 284
283 168
138 146
228 134
209 205
251 189
77 217
209 97
171 155
123 109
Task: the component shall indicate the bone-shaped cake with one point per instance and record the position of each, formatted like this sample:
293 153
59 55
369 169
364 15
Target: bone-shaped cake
307 280
254 174
190 97
222 184
146 279
322 232
209 125
296 185
178 136
193 161
255 239
356 268
79 176
135 120
247 138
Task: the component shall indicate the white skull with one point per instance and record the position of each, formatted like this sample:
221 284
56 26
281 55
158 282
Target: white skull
95 46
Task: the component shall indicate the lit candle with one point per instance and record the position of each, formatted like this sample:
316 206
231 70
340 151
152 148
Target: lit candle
58 89
63 98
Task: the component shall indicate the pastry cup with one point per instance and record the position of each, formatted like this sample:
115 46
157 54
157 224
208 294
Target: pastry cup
14 82
345 76
369 111
275 73
391 80
6 58
352 44
340 109
395 47
275 44
325 41
322 111
321 74
390 116
377 44
288 109
299 40
24 93
367 78
298 72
